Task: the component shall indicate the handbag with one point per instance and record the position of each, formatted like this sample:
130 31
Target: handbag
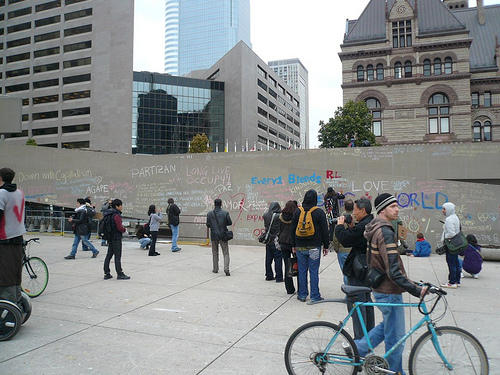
360 267
293 267
374 278
457 243
224 235
265 237
146 228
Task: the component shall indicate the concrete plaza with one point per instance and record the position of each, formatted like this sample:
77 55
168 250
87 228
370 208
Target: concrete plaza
174 316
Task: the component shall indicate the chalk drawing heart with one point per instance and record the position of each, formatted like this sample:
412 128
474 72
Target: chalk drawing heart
240 199
98 180
493 216
482 217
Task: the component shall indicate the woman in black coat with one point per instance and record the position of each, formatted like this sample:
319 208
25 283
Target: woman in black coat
285 241
272 225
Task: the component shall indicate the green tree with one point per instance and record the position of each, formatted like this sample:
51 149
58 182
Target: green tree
199 144
353 120
31 142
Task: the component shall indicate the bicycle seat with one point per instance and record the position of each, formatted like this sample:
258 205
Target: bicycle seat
351 290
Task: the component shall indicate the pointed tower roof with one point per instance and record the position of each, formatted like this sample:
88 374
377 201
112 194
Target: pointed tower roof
433 16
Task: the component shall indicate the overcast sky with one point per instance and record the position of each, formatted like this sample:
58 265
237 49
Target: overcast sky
280 29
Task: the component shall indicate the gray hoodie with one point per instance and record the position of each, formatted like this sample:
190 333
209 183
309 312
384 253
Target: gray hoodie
451 225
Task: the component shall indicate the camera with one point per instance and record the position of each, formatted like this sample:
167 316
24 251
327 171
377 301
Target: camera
347 220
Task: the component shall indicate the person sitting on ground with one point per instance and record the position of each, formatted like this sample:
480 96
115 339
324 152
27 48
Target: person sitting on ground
143 238
473 260
422 247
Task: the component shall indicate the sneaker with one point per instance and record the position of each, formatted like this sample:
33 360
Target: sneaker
176 250
269 278
214 271
69 257
475 276
153 254
301 299
123 277
108 276
448 285
227 273
319 299
95 254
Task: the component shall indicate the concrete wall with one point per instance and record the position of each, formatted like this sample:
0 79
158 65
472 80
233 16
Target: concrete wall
246 182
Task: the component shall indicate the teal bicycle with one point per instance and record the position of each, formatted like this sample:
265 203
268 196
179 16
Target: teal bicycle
326 348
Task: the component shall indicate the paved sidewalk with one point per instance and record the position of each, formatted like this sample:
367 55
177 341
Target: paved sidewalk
174 316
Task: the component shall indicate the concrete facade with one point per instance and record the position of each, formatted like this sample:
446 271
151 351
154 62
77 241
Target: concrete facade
405 96
261 109
422 176
71 63
297 77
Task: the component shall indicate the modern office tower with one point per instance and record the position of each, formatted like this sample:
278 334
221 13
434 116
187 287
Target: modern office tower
428 70
168 111
296 77
262 112
71 63
198 32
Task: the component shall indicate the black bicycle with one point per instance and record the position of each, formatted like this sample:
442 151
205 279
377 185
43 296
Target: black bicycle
35 272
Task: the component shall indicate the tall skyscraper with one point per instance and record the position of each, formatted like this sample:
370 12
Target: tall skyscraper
296 76
198 33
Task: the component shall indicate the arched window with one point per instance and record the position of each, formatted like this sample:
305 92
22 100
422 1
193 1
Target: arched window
481 132
398 70
437 66
448 66
380 72
376 111
427 67
476 130
408 69
361 73
369 73
439 114
487 131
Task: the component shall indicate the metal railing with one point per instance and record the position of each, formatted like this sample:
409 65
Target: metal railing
192 227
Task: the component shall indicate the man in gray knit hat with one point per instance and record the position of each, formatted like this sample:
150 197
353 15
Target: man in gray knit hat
383 254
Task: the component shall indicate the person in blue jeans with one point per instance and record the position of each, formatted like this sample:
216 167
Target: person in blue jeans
81 230
341 250
451 228
383 254
308 250
173 212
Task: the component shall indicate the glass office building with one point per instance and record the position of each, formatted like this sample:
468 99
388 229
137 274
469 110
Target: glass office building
169 111
198 33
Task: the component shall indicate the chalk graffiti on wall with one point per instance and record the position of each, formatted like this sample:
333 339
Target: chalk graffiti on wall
241 181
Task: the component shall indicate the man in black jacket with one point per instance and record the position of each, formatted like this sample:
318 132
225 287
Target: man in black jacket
309 250
80 229
354 237
217 224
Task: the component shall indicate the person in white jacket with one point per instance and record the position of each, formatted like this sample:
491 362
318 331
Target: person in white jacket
451 227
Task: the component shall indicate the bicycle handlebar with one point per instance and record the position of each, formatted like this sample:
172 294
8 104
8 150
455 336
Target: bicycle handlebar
31 239
434 290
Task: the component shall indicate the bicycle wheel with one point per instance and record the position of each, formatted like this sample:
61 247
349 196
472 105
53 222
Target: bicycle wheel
35 277
10 320
461 349
307 344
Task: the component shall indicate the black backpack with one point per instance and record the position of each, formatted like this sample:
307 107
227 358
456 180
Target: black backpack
107 227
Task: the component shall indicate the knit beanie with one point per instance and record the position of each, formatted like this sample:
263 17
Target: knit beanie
384 200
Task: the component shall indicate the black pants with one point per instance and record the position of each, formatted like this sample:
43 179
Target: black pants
11 256
114 249
273 254
152 245
286 251
367 311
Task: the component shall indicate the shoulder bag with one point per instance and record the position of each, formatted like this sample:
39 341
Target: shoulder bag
224 235
265 237
457 243
374 276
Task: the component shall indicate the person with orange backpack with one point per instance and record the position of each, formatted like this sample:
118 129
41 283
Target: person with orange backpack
309 234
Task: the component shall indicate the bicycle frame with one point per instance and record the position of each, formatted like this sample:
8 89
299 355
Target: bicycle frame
426 320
